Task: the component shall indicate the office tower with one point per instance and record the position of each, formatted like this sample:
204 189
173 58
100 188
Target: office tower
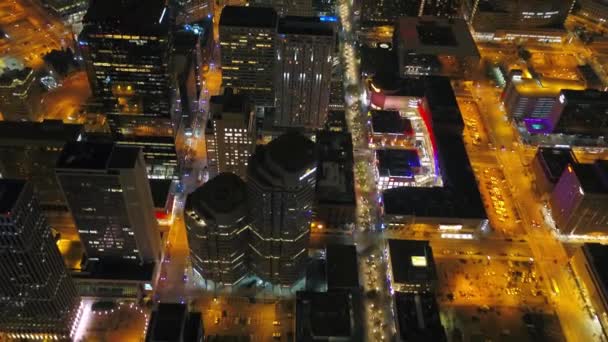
30 150
216 222
173 322
109 196
305 47
582 112
594 10
324 8
579 202
281 185
71 12
388 11
19 91
493 15
231 140
37 296
126 46
287 7
247 40
548 165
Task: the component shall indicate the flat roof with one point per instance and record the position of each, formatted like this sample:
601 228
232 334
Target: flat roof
397 163
262 17
10 190
587 96
341 263
433 35
411 261
167 322
545 87
593 177
555 160
379 61
335 176
97 156
323 314
390 121
116 270
597 254
129 16
418 317
292 151
45 131
306 26
160 191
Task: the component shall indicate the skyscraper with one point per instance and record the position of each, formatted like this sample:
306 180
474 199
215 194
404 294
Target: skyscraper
19 91
232 137
216 222
281 186
126 46
581 112
305 47
388 11
37 296
110 199
247 39
287 7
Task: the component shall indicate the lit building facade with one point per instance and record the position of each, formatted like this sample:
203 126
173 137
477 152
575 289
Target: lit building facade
581 113
595 10
412 266
217 225
37 295
287 7
232 138
388 11
579 202
247 40
127 51
281 187
305 47
109 196
71 12
19 91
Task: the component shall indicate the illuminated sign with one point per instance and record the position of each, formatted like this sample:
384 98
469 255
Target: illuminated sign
562 98
450 227
327 18
308 173
148 287
419 261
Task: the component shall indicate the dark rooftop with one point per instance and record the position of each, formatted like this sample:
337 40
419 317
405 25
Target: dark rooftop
305 25
10 190
248 17
44 131
97 156
390 121
160 191
7 76
555 160
293 152
402 256
335 177
379 61
593 177
223 194
431 34
322 314
342 271
129 16
397 163
167 323
591 96
116 270
598 255
418 317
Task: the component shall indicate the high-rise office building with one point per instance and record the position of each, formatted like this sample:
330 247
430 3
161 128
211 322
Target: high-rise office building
305 47
493 15
579 202
281 187
232 135
109 196
217 222
127 50
71 12
595 10
37 295
389 11
19 91
581 112
247 40
30 150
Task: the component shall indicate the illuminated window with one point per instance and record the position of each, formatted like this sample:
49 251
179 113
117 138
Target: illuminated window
419 261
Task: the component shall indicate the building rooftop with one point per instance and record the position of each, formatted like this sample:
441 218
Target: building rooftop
597 254
167 322
116 270
411 261
433 35
335 177
397 163
160 191
555 160
97 156
545 87
129 16
224 194
293 152
261 17
593 177
10 190
390 121
323 314
342 270
47 130
379 61
305 26
590 96
418 317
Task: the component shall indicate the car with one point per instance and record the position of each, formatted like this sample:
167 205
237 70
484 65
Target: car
217 320
276 323
276 335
